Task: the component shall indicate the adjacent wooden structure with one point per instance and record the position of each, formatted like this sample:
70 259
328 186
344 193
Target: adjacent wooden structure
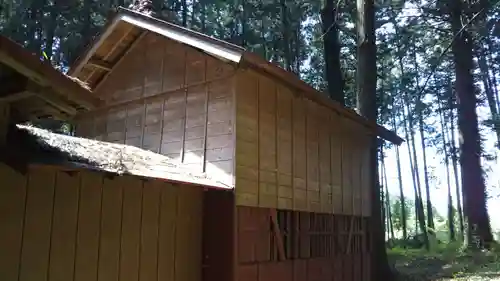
32 88
290 167
62 224
79 209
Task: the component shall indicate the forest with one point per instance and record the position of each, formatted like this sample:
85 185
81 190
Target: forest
427 69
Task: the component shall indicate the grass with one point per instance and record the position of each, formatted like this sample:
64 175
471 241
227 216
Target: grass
446 262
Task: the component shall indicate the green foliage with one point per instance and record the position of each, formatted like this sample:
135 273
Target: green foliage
446 262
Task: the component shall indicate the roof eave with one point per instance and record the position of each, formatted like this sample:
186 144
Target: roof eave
210 45
389 135
183 35
80 62
43 74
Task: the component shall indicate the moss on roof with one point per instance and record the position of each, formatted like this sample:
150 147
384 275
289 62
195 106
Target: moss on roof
44 146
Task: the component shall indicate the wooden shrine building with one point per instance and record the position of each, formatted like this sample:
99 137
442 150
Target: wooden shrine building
80 209
198 161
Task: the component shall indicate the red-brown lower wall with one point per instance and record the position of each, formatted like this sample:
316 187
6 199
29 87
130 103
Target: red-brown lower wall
218 238
338 269
326 236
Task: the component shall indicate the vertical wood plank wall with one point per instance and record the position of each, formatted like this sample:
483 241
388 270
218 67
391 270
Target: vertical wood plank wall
170 99
292 153
218 235
83 226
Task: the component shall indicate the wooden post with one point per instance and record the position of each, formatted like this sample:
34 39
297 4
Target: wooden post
277 235
349 239
4 122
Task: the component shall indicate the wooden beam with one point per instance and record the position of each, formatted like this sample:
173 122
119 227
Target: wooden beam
43 74
15 97
119 60
51 112
148 99
92 47
98 63
57 103
349 238
52 99
277 235
12 84
117 43
4 122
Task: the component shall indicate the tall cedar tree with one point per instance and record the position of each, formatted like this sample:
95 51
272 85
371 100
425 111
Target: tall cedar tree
473 185
367 106
331 45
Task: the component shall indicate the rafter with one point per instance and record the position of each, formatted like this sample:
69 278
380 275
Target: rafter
115 46
101 64
12 84
55 101
16 96
120 58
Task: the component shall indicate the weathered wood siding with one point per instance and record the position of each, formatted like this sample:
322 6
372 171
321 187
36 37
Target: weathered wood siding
318 247
292 153
170 99
83 226
218 235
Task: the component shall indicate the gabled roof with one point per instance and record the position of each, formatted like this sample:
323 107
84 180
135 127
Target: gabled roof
33 145
127 27
36 89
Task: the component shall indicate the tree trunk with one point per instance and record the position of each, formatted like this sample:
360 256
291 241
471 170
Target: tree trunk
383 209
470 147
430 215
331 45
418 110
451 215
390 227
285 26
194 7
243 22
454 161
419 208
367 107
298 47
158 6
400 181
493 71
184 12
34 26
51 29
488 89
203 16
398 159
410 158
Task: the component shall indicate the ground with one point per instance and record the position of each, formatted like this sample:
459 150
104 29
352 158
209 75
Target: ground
446 263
